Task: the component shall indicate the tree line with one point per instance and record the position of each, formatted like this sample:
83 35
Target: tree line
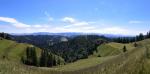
46 59
5 36
77 47
131 39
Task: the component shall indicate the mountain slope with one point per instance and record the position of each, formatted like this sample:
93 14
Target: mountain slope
134 61
11 50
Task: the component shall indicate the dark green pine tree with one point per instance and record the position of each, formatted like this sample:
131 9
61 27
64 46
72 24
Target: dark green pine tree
31 56
135 44
43 58
58 61
148 35
50 60
28 55
141 36
124 49
34 56
54 61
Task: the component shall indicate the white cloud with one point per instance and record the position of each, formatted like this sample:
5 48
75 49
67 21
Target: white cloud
74 25
74 22
40 26
135 22
81 23
115 30
25 27
20 25
71 25
6 19
48 16
69 20
37 26
14 22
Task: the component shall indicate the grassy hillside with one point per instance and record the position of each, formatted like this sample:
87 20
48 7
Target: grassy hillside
129 46
111 49
106 50
112 61
11 50
82 64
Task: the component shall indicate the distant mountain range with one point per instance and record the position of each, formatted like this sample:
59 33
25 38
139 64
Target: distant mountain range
70 34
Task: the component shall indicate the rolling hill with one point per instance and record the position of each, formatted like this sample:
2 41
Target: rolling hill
112 60
12 50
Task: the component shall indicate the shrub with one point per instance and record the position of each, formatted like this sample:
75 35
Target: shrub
124 49
135 44
99 55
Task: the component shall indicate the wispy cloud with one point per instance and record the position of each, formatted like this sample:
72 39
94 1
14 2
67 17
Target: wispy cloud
70 25
85 26
115 30
14 22
48 16
20 25
74 25
135 22
74 22
69 20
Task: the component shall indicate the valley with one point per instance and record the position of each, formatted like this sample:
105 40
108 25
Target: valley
108 58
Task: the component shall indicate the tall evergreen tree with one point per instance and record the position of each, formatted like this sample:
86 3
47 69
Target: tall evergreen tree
34 56
43 58
31 56
141 36
135 44
49 61
124 49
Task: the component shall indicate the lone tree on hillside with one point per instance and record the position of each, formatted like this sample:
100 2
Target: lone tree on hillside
124 49
135 44
99 55
141 36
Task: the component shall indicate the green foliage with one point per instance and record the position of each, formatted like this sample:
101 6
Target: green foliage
134 63
47 59
20 52
75 48
124 49
148 35
124 39
141 37
106 50
4 35
121 64
135 44
131 39
43 58
99 55
31 57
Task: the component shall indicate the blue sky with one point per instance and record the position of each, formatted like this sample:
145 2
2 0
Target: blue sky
128 17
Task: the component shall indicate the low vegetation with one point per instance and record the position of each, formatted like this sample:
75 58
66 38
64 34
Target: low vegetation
106 58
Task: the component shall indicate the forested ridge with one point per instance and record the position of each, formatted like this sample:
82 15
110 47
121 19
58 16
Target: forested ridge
70 49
